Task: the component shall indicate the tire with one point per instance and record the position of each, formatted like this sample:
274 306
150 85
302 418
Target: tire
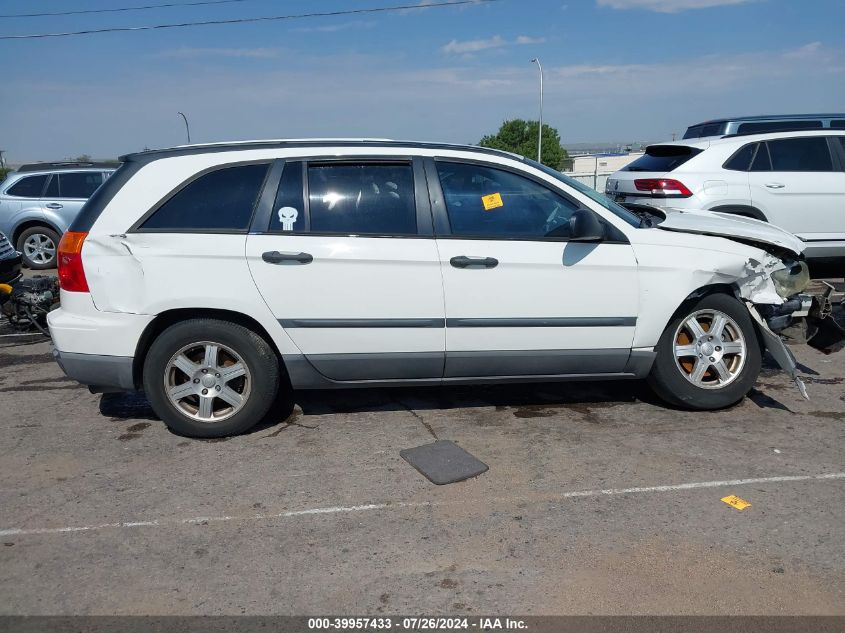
676 380
189 413
39 246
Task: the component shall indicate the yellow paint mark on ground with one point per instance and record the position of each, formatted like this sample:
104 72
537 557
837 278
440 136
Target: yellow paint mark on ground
736 502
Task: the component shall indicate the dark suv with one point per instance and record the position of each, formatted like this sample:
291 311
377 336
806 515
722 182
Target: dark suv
10 261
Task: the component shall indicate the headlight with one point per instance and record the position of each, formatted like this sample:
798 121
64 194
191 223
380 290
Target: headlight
792 279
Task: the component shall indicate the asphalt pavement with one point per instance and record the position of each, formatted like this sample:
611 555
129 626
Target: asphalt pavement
598 499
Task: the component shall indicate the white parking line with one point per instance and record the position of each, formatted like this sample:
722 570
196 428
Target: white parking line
415 504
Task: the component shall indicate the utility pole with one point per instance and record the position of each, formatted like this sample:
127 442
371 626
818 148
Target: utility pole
536 60
187 127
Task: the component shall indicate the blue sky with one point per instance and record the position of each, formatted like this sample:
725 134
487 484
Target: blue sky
616 70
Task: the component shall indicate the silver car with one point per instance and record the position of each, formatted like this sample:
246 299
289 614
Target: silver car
39 201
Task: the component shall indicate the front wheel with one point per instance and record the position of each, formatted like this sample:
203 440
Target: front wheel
210 378
709 356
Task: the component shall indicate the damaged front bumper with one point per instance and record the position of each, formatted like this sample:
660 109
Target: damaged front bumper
802 319
806 319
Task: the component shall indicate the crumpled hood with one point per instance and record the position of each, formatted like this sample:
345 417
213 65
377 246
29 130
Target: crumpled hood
730 226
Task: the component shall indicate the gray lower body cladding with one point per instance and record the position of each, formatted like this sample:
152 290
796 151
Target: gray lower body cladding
101 373
339 371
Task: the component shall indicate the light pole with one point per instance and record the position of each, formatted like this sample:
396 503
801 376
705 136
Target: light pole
536 60
187 127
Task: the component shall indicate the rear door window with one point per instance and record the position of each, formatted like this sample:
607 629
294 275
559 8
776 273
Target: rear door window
761 160
52 190
221 200
800 154
80 184
28 187
838 124
288 211
662 158
362 198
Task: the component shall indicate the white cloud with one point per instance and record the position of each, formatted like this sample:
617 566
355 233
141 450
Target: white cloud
456 47
527 39
204 53
473 46
668 6
334 28
808 50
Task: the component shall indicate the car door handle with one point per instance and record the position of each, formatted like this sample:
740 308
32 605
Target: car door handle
775 185
462 261
275 257
53 205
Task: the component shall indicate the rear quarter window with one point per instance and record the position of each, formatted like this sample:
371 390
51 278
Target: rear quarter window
663 158
741 160
28 187
220 200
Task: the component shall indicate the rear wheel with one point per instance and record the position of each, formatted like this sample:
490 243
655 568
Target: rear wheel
709 356
210 378
38 245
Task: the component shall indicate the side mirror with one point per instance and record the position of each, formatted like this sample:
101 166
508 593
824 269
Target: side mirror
584 226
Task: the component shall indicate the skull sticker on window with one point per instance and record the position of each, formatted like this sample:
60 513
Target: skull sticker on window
287 216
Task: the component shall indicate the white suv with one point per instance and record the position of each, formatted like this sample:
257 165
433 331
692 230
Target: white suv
217 277
795 180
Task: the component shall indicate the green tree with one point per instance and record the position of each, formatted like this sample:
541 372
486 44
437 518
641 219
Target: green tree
3 173
520 137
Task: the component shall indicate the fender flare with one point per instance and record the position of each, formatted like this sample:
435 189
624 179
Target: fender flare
29 223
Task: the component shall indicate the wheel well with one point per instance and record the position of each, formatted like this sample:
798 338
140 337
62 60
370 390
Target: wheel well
713 289
743 210
31 224
710 289
170 317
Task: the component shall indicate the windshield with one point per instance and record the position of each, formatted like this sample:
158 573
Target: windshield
617 210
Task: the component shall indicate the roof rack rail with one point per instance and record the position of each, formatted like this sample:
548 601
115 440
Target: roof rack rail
151 155
54 166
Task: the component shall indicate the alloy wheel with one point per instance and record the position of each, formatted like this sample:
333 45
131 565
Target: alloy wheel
39 248
207 381
710 349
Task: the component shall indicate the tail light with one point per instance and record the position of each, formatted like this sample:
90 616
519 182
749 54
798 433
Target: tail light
663 187
71 272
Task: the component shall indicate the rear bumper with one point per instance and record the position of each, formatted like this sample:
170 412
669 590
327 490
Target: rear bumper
101 373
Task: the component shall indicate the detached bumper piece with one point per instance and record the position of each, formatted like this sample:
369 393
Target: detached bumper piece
816 327
780 352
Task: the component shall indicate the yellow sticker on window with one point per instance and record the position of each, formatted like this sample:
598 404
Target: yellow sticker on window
493 201
736 502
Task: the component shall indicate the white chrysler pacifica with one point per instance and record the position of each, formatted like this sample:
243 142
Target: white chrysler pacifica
216 277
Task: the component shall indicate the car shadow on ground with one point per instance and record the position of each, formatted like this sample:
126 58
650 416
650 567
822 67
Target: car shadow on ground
527 399
135 406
